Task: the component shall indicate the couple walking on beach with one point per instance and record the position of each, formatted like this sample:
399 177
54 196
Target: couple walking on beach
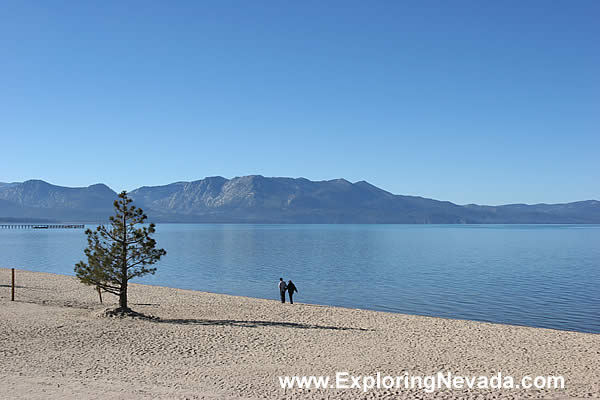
290 287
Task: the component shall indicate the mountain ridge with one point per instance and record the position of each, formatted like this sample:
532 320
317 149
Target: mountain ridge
259 199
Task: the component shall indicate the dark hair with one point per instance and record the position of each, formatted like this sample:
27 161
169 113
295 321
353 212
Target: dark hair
280 279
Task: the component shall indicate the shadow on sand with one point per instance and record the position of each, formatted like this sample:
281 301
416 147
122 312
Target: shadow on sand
255 324
224 322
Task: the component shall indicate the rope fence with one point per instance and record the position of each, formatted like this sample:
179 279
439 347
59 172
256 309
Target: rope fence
26 286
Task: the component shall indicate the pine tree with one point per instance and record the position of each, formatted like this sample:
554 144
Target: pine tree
120 251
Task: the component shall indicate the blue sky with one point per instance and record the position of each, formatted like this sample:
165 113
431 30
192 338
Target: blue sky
467 101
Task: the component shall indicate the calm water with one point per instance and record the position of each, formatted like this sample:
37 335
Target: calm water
545 276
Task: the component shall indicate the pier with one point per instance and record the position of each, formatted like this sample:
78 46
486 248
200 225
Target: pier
42 226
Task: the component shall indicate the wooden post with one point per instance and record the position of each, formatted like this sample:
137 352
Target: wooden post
12 293
99 293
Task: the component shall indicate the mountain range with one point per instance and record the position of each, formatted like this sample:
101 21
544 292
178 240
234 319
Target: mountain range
258 199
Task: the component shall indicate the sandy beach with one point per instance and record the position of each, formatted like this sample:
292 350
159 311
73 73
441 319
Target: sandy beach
56 342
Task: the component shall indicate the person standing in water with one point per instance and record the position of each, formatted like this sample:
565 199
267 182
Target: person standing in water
282 289
291 289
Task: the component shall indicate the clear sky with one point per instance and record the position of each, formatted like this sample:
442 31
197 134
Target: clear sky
488 102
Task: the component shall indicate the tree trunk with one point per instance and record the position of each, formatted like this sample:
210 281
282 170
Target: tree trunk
123 292
123 297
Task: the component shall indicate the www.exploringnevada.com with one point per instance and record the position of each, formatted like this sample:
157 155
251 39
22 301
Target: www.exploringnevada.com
426 383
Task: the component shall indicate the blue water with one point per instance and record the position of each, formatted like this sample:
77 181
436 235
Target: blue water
535 275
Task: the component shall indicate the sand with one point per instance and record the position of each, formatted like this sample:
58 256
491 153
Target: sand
56 342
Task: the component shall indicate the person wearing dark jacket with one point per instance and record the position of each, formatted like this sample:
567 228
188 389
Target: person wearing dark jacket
291 288
282 289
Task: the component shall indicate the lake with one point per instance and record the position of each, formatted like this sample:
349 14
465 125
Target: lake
535 275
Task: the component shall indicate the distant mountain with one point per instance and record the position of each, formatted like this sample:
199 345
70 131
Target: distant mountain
286 200
257 199
39 200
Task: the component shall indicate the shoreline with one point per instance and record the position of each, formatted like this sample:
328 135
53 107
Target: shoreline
324 305
205 345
